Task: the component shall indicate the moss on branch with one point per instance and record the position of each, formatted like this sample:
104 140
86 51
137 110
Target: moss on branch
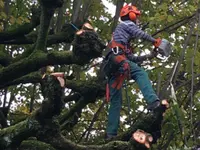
53 99
34 63
87 46
66 35
81 55
60 143
35 145
12 136
90 89
45 19
34 77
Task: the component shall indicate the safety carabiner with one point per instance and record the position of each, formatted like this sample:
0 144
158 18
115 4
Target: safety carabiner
115 50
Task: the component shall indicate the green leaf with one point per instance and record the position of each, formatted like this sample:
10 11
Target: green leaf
3 15
12 20
1 4
197 60
170 18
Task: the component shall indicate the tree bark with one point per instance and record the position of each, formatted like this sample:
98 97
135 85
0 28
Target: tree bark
117 12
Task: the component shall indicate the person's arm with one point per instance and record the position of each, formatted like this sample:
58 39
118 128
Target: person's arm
136 32
140 59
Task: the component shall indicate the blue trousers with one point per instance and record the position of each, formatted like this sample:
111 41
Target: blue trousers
142 79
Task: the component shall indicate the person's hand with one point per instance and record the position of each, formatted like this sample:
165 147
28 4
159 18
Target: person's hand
152 55
157 42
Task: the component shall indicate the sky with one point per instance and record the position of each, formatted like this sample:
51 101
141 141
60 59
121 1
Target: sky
110 6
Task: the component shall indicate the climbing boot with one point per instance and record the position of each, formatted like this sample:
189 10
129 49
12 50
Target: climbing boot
152 106
109 137
163 104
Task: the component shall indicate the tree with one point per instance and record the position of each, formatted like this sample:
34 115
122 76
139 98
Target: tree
38 34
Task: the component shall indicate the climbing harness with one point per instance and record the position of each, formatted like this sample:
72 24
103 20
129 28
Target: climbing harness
114 44
115 50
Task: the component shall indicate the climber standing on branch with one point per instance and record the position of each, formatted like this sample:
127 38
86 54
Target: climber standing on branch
122 64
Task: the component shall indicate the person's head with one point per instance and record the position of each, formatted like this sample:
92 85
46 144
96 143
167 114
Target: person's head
129 13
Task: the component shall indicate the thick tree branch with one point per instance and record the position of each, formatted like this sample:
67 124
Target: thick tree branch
73 97
119 5
180 60
53 99
86 8
30 78
61 143
4 59
3 121
12 136
86 47
22 30
47 10
76 10
45 19
66 35
35 145
89 90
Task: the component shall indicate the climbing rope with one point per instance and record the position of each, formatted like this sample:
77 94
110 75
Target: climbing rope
128 102
173 93
176 109
74 26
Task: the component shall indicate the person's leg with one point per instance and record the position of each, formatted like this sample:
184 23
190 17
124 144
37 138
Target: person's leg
114 110
142 79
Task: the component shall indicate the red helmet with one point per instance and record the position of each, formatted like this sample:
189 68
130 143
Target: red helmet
132 11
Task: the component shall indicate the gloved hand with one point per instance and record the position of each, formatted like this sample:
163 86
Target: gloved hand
157 42
152 54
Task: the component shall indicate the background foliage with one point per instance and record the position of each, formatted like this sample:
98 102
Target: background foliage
177 21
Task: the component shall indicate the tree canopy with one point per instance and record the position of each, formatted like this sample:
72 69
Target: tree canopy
38 38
